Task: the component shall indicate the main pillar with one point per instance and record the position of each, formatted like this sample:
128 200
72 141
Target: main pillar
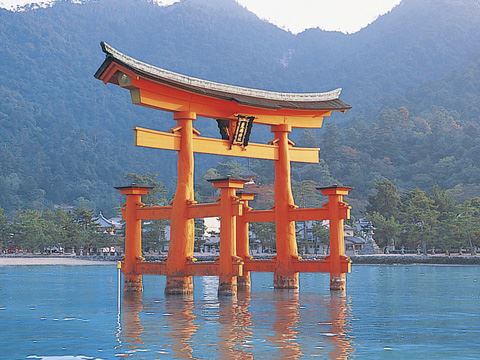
182 229
284 277
227 282
243 245
133 236
337 239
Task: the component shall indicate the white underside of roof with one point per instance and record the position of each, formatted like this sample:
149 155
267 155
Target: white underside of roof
236 90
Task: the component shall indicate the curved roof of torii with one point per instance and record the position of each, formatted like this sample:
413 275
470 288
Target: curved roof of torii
245 96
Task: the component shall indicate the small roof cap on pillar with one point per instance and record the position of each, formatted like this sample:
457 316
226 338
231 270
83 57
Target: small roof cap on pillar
245 195
134 189
228 182
334 190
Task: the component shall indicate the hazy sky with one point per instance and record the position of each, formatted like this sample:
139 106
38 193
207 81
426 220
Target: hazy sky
297 15
342 15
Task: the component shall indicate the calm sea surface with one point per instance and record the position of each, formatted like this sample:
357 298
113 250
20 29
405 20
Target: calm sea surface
391 312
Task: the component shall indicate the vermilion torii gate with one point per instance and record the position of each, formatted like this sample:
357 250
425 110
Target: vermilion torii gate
236 109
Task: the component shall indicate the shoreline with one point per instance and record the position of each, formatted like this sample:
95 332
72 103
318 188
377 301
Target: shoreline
379 259
416 259
33 260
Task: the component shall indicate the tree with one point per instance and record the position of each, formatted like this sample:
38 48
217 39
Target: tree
205 190
308 139
321 233
157 195
466 225
4 230
265 232
331 143
89 236
319 173
264 197
69 229
447 235
419 218
230 168
31 231
387 230
306 194
200 229
386 200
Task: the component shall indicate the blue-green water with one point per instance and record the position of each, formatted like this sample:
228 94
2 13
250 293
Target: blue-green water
391 312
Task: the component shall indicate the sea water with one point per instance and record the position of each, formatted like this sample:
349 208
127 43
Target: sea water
391 312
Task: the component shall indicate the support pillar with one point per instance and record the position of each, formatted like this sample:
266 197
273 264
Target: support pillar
182 229
337 238
243 244
133 236
227 282
286 241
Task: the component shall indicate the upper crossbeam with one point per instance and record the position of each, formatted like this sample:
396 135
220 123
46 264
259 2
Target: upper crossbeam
168 141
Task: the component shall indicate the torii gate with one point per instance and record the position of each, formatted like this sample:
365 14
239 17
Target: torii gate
236 110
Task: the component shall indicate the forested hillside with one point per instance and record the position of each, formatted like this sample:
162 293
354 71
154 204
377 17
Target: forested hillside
412 76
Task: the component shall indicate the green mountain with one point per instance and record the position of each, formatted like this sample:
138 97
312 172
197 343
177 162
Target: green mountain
411 76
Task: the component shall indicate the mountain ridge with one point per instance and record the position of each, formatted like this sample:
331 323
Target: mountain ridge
64 130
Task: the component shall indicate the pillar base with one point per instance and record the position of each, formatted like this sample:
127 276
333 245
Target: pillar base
285 281
338 282
227 286
244 283
179 285
132 283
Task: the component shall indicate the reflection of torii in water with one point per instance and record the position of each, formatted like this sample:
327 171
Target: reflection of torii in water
339 312
132 330
287 316
288 319
236 326
182 325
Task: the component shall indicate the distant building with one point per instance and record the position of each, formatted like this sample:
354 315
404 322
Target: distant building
212 244
353 244
108 226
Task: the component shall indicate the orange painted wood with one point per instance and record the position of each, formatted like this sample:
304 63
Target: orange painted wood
305 214
164 97
211 268
182 231
162 140
133 227
193 211
319 266
152 268
227 232
243 243
206 268
297 265
204 210
286 243
154 212
337 245
260 216
260 265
